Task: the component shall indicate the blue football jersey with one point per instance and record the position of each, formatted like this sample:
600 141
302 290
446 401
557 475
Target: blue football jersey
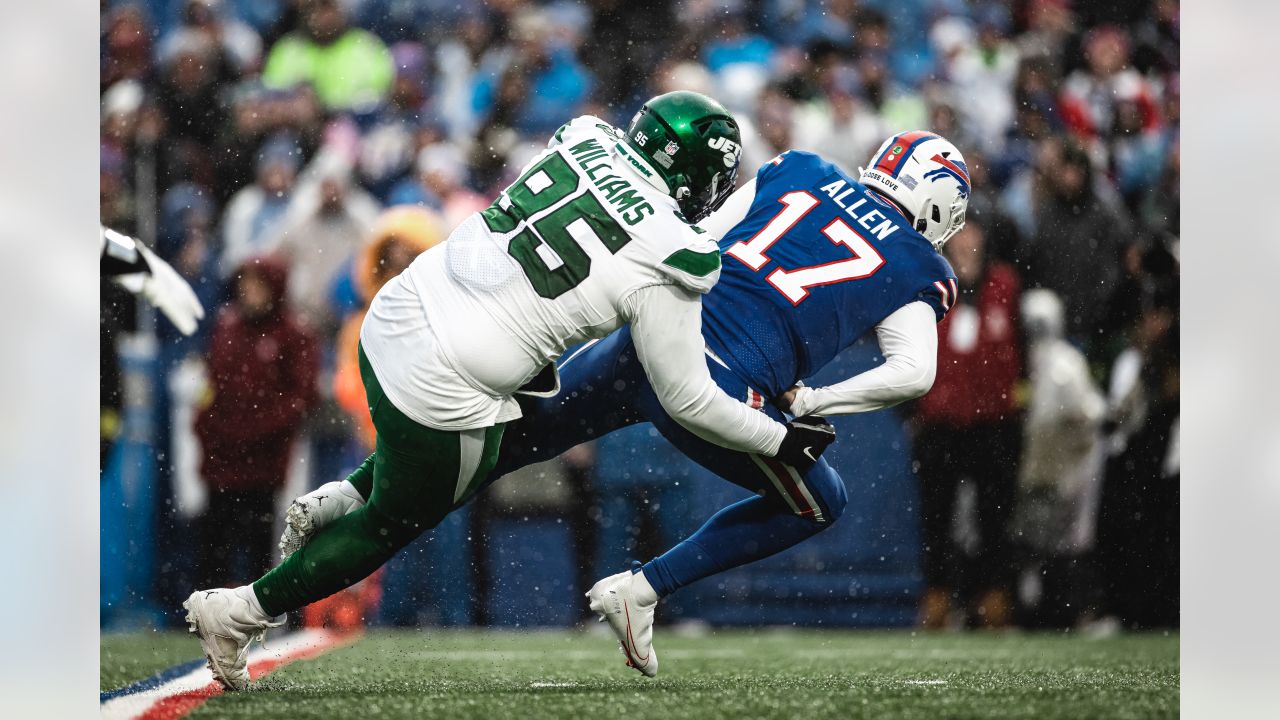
816 263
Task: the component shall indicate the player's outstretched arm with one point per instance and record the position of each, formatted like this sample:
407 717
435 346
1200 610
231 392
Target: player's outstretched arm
134 267
909 342
666 325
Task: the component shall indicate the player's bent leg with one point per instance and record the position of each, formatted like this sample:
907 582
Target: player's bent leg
419 474
791 506
744 532
749 530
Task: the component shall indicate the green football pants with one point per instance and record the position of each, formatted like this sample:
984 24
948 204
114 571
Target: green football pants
414 478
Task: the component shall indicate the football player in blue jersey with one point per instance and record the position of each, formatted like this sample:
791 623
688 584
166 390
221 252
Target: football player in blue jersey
814 260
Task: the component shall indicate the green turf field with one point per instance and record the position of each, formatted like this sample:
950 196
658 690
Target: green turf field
722 674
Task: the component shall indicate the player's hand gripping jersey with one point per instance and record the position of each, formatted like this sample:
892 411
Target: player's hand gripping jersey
813 263
576 247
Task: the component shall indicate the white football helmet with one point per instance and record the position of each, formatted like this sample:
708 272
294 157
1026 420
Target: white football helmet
927 176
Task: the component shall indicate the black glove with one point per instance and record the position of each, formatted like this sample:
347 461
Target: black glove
806 438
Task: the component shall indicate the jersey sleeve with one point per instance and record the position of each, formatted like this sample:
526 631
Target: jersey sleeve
694 261
939 289
909 343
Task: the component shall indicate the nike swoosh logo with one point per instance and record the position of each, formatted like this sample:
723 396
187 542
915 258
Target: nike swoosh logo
631 651
808 452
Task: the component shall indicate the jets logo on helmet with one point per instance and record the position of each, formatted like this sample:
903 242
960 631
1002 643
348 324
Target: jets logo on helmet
731 149
927 177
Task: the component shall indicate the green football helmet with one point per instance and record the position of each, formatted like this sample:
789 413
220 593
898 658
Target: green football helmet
694 144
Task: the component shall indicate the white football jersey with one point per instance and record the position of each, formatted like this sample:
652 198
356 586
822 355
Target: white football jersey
545 267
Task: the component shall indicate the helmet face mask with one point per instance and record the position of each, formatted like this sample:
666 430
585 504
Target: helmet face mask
927 177
694 144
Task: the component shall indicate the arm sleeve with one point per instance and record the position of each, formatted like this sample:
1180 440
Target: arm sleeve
735 209
909 341
666 325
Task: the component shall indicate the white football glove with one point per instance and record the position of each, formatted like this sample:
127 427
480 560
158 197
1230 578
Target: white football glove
168 291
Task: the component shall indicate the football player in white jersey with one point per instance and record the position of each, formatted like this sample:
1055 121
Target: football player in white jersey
593 235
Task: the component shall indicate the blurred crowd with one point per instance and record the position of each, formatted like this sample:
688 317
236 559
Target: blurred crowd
289 156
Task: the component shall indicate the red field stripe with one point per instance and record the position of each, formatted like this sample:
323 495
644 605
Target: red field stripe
182 704
179 706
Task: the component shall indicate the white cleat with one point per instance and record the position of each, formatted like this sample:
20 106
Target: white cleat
311 512
627 601
226 624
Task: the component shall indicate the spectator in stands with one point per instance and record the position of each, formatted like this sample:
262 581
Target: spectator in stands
258 114
1139 149
250 220
189 93
262 374
552 84
836 122
775 119
349 68
1050 25
389 144
125 45
321 231
1058 478
900 106
1137 542
441 184
968 429
1159 210
471 51
186 238
121 104
1076 246
1089 94
1035 112
241 48
982 71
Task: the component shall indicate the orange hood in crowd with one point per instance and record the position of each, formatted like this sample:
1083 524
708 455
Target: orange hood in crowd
417 229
